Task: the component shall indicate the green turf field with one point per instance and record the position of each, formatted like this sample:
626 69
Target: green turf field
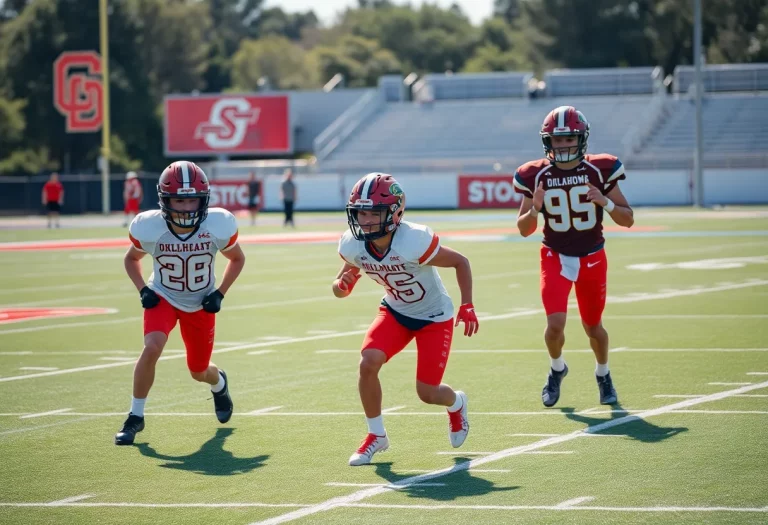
687 445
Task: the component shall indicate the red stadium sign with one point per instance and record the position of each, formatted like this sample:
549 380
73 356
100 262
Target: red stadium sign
230 195
77 90
488 191
227 125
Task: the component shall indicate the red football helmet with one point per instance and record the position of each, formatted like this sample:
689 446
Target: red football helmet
376 192
563 122
184 180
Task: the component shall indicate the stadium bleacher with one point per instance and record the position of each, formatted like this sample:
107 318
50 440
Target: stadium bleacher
734 128
652 128
479 133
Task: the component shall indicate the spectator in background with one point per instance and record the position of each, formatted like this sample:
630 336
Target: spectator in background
254 197
133 194
53 199
288 194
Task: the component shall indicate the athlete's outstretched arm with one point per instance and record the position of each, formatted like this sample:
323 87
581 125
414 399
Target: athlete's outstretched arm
448 258
234 267
132 262
345 280
615 203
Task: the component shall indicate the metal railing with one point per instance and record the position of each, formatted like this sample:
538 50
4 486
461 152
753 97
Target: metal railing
347 123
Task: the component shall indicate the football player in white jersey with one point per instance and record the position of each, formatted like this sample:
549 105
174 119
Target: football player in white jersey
401 256
182 237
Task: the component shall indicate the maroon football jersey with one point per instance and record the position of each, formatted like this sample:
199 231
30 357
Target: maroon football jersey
572 225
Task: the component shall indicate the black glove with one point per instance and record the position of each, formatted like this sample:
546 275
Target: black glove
149 299
212 302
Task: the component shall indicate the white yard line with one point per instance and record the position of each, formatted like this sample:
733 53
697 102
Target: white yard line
341 484
622 349
39 368
373 506
360 495
687 396
179 356
161 505
263 410
257 352
73 499
68 325
392 409
726 350
128 319
757 373
679 396
65 300
550 452
274 412
476 470
49 413
462 453
580 508
725 412
65 353
573 502
729 384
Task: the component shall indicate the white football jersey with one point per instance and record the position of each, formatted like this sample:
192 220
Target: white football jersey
183 271
413 288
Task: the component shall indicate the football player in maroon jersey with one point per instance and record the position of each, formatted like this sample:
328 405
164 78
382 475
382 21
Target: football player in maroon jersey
572 190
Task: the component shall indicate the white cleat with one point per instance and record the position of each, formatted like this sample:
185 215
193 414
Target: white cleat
370 445
458 423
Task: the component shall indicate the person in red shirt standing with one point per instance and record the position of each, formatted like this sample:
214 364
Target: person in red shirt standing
133 194
53 199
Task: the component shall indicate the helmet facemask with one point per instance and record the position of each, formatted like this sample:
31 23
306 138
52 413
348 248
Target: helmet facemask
377 221
185 218
568 153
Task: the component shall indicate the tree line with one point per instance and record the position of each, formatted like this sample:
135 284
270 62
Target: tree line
160 47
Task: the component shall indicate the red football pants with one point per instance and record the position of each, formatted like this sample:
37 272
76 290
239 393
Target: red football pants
433 344
590 285
197 330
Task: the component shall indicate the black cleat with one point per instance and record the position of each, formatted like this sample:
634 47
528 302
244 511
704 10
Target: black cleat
607 392
222 402
551 392
132 426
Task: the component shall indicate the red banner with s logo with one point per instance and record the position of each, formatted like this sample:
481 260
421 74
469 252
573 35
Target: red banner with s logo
227 124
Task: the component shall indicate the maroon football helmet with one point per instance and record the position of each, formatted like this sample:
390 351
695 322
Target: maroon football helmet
563 122
184 180
376 192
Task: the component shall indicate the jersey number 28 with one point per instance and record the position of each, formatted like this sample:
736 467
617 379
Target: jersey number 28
191 275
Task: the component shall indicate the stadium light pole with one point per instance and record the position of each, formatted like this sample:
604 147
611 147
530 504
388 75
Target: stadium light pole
698 177
105 153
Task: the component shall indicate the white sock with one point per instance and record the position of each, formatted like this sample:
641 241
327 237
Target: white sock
601 370
218 387
137 406
456 406
376 425
558 365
